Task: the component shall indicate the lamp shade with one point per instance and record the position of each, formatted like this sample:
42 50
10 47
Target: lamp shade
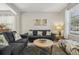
58 27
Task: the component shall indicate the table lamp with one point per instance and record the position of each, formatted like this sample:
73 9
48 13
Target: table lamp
59 29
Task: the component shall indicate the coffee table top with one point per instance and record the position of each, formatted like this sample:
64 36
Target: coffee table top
43 44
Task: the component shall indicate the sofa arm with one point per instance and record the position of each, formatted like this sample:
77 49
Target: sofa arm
22 40
24 35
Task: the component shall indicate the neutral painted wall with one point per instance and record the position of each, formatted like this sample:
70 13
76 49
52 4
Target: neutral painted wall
18 23
27 20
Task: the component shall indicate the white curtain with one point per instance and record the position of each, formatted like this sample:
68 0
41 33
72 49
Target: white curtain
67 23
9 20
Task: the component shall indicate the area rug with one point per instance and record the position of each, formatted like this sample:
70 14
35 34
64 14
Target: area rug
33 50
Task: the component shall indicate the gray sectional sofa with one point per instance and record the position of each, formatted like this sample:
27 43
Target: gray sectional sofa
14 47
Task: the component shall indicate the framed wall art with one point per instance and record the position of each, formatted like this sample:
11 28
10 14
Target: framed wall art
40 22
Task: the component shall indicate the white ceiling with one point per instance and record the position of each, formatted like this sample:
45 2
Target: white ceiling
40 7
3 7
75 8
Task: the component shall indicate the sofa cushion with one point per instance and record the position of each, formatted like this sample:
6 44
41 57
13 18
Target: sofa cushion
12 36
13 48
35 33
17 48
21 41
9 37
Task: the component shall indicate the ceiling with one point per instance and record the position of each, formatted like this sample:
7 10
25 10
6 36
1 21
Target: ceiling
40 7
3 7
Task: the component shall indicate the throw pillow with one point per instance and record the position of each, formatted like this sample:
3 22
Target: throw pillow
39 33
48 33
3 41
17 36
30 33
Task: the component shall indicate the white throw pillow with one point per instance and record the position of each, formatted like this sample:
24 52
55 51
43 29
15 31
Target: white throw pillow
39 33
17 36
48 33
30 33
3 41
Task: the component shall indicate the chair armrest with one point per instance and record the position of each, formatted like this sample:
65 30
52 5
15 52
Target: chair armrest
75 51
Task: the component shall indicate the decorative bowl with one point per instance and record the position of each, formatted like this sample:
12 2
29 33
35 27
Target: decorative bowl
42 40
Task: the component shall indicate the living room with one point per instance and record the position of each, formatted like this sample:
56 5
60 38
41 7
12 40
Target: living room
39 28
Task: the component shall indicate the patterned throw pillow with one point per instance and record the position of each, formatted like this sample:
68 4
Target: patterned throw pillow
48 33
3 41
39 33
17 36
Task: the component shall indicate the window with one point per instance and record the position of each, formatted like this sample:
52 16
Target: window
8 21
74 24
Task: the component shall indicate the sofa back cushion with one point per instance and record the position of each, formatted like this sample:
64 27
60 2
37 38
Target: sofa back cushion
35 33
10 37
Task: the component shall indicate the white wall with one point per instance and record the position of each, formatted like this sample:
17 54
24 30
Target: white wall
28 23
18 23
